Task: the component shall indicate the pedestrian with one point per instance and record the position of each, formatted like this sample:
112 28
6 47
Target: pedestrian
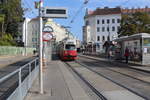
110 53
126 54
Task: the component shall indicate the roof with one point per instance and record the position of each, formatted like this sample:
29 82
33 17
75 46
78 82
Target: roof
104 11
133 10
132 37
117 10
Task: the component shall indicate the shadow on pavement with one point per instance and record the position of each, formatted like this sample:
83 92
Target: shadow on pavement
55 57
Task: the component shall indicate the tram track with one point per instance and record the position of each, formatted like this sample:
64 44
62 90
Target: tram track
101 96
127 71
112 78
116 64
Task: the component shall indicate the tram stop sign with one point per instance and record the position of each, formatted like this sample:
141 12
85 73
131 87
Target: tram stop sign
47 36
47 32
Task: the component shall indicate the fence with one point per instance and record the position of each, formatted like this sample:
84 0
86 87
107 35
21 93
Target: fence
7 50
25 77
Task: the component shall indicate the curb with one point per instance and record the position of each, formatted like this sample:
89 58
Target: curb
118 63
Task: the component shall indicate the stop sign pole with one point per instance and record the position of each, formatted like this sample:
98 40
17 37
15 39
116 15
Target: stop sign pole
41 49
47 12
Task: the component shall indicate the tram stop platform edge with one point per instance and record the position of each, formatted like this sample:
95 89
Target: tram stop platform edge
145 68
59 84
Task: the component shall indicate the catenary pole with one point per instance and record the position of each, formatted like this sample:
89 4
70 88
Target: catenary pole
41 48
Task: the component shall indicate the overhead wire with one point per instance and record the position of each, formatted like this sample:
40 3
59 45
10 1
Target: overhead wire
78 11
124 3
30 8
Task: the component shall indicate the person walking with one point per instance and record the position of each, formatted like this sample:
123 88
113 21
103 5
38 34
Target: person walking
110 53
126 54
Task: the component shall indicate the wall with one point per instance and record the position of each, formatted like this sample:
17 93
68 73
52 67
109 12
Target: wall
7 50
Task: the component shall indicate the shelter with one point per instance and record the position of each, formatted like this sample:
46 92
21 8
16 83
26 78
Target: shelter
139 47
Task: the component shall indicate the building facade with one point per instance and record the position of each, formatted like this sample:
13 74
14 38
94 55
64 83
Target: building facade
30 31
101 25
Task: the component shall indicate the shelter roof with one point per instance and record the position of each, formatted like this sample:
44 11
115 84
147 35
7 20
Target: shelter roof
133 37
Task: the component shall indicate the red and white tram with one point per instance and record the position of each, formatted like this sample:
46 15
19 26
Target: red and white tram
67 49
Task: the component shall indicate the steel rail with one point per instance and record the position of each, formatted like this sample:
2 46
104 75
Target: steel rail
113 81
125 74
100 95
127 66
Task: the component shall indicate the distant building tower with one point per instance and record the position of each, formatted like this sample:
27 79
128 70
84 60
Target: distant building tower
101 25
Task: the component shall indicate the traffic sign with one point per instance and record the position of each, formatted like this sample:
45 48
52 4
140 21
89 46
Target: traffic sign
48 29
47 36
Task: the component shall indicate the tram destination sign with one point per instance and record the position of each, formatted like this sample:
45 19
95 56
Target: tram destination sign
54 12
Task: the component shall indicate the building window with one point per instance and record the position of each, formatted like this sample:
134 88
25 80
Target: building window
98 29
118 20
103 21
113 28
103 38
98 38
103 29
32 39
97 21
108 38
87 22
108 29
113 20
108 21
35 39
118 28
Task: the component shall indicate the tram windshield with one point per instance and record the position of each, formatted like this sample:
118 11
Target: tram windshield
70 47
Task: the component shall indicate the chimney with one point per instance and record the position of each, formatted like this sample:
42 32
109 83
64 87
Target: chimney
106 7
118 6
86 11
98 8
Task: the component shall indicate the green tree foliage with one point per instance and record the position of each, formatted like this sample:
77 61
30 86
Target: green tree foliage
11 14
7 40
135 23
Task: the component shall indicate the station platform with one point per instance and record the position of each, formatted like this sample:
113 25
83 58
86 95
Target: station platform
59 84
132 65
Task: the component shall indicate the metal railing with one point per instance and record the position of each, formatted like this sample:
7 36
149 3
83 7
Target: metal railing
25 77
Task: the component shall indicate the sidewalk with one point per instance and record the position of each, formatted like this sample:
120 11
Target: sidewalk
59 84
134 66
6 60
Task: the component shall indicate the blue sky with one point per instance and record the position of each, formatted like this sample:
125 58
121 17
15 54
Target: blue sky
74 5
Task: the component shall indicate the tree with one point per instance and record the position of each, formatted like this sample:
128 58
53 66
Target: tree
11 14
7 40
136 23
